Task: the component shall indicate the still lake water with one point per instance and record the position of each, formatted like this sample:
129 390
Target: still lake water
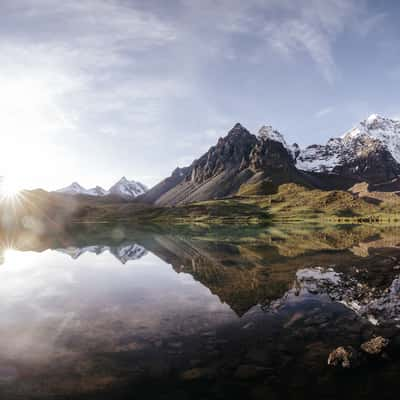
231 313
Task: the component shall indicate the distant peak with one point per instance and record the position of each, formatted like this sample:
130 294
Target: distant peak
376 118
127 189
238 129
372 118
76 185
267 132
238 125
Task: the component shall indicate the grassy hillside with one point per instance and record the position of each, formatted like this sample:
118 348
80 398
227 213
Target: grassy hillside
295 202
206 212
290 203
40 211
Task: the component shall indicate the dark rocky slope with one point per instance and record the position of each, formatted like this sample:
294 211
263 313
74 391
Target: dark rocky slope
238 161
244 164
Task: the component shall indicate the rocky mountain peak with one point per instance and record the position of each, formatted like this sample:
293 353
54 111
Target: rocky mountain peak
386 130
231 151
127 189
238 130
238 126
73 188
268 132
369 151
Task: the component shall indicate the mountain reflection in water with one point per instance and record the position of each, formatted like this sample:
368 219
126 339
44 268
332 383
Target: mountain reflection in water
124 313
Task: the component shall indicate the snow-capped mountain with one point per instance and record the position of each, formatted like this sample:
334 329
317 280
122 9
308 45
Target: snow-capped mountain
386 130
76 189
267 132
370 151
97 191
127 189
124 189
370 134
123 253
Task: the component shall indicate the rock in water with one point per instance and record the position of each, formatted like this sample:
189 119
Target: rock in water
375 346
343 356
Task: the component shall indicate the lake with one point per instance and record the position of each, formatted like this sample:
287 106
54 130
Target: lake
105 312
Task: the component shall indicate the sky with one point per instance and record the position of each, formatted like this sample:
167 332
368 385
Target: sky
92 90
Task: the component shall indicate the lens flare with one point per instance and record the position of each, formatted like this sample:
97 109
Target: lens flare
9 188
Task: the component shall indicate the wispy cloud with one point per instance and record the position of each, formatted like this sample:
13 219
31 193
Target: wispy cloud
97 78
323 112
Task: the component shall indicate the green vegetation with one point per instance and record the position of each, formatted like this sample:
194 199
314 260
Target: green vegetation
290 203
230 211
294 203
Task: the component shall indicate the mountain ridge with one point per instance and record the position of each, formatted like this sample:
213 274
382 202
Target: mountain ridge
239 158
123 188
242 162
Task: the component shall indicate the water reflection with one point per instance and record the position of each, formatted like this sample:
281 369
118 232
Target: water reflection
123 253
204 314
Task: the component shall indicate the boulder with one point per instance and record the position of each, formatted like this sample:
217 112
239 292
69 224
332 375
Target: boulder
375 346
343 356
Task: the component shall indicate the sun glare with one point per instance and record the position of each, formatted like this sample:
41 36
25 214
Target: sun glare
9 188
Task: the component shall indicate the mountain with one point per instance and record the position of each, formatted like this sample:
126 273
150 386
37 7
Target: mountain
242 163
124 189
239 162
369 152
127 189
97 191
76 189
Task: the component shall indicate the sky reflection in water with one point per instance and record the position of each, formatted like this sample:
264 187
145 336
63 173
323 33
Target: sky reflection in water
104 319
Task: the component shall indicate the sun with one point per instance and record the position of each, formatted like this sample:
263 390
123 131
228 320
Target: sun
9 188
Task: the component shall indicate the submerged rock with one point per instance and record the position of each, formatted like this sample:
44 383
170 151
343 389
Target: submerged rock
197 373
249 371
343 356
375 346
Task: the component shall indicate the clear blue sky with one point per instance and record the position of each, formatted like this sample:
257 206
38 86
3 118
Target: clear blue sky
95 89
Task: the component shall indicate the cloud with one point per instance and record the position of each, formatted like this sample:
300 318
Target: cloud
77 71
369 24
310 28
307 28
323 112
107 77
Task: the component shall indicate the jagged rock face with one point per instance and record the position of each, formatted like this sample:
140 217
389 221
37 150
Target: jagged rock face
360 158
368 160
370 152
386 130
269 155
237 159
232 151
319 158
